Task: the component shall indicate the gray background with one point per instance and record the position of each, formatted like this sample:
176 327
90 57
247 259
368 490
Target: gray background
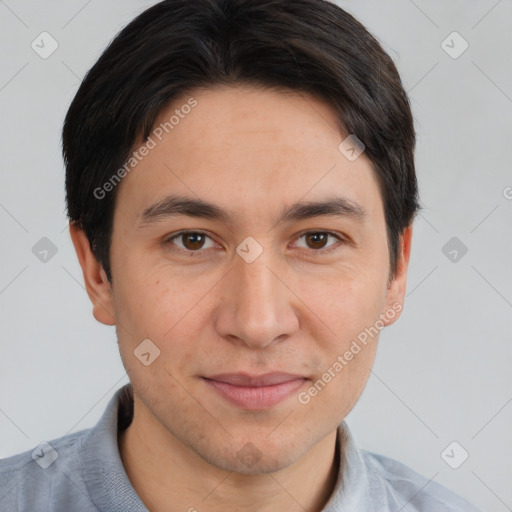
443 371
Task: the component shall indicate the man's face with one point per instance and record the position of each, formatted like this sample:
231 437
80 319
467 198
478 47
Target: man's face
220 311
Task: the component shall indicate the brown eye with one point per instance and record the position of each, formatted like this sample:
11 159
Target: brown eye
190 241
316 240
319 241
193 241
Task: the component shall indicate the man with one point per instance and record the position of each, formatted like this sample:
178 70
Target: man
241 192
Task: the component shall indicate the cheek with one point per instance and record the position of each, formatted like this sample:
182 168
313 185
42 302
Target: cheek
170 311
343 327
149 308
342 303
338 386
157 302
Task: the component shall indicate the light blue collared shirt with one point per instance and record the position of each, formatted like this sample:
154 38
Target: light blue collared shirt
83 472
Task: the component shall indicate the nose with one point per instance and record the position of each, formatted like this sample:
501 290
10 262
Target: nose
258 308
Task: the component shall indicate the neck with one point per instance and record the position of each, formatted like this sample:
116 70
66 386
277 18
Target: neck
168 475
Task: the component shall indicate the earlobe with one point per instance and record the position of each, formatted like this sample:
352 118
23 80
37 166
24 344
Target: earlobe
395 295
96 282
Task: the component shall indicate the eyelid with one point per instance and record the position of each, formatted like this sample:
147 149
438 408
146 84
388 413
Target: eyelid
341 239
170 238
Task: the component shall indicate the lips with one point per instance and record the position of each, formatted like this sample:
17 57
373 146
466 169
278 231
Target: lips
241 379
255 392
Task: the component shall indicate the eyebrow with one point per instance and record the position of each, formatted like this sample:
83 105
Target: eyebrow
174 205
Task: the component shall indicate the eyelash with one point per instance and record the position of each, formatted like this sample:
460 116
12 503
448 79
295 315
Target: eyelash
197 253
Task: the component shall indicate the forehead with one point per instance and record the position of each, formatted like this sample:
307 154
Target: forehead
249 150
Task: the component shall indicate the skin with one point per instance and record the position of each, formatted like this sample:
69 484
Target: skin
294 309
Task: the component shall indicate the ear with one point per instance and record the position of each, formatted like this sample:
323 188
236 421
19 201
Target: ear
96 282
395 295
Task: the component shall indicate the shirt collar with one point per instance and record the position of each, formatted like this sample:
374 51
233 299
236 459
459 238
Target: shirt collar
101 464
354 486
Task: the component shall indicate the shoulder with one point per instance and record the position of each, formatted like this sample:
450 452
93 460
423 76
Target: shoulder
42 473
411 490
